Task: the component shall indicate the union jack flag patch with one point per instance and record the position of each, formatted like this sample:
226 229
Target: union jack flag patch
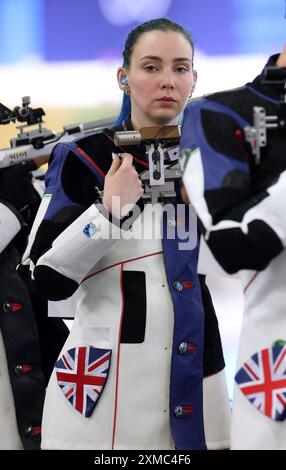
262 379
81 374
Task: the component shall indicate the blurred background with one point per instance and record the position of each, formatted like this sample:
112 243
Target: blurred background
65 53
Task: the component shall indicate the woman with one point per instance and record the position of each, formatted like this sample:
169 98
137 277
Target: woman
143 365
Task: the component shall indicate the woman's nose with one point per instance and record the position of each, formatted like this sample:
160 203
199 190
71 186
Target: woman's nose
167 82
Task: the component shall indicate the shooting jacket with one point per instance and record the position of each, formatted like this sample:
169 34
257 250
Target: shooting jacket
144 321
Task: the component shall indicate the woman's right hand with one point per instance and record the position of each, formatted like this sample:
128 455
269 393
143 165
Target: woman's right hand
122 186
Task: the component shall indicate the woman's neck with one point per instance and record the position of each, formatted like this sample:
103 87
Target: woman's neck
139 123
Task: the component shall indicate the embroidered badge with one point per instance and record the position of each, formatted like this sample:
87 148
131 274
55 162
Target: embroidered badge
262 379
81 374
89 230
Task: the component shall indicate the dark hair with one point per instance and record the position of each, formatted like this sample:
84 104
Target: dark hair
159 24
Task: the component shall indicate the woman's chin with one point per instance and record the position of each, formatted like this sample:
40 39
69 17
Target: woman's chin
165 119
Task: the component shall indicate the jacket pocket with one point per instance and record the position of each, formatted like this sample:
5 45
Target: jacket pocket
134 314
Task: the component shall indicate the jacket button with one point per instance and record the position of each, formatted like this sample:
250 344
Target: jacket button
22 369
183 348
7 307
32 431
178 411
12 307
186 347
181 285
178 286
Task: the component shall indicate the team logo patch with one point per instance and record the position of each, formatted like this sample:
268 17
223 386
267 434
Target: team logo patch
262 379
89 230
81 374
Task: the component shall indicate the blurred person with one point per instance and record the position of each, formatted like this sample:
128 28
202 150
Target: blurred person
25 363
239 199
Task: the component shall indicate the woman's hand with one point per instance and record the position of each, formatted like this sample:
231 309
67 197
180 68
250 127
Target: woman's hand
39 161
122 186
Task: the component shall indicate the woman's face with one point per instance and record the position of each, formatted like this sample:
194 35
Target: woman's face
160 78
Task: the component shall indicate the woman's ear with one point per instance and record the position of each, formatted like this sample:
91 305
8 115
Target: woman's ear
195 77
121 79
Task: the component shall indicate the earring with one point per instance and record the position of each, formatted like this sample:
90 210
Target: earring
123 80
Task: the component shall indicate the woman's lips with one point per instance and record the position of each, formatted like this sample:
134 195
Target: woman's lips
167 99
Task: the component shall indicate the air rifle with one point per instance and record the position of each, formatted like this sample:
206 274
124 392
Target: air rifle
38 142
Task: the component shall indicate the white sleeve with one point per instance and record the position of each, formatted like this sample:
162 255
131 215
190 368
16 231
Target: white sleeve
10 225
38 219
78 248
247 236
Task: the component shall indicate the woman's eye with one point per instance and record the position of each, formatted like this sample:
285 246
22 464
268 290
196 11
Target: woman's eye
182 69
150 68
